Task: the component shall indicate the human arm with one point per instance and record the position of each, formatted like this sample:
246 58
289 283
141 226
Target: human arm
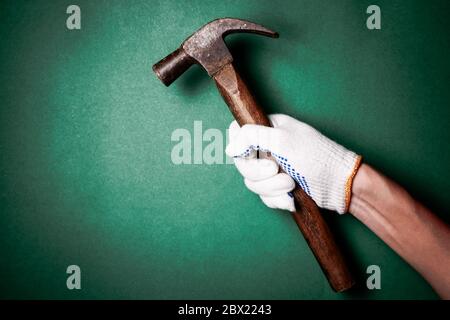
405 225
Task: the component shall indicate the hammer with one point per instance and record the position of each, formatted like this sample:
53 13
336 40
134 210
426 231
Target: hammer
207 48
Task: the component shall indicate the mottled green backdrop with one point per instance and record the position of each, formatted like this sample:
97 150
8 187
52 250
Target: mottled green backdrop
86 176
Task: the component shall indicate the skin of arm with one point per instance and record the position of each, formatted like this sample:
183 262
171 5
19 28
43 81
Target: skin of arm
405 225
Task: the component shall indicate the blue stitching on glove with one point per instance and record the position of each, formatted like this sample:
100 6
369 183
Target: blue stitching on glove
283 162
301 180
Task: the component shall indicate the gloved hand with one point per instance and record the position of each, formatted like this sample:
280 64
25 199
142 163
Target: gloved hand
323 168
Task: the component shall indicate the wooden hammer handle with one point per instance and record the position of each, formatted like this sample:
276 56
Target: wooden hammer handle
308 217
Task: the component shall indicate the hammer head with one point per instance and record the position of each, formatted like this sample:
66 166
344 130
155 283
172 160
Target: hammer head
206 47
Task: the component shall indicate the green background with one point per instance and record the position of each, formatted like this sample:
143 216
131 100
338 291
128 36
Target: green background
86 176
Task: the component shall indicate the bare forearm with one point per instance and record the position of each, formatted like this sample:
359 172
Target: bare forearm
405 225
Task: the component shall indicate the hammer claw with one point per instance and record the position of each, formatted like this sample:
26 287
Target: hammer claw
231 25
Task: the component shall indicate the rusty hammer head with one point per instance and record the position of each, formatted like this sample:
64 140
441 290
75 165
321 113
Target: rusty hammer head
206 47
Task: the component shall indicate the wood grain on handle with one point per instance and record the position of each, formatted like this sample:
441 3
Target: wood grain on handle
308 217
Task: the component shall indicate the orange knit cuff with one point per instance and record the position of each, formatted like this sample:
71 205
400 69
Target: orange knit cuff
348 185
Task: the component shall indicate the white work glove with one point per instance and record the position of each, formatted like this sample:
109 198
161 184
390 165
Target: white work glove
320 166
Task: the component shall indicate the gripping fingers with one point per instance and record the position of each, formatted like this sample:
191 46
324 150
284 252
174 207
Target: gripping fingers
261 137
283 202
256 169
279 184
